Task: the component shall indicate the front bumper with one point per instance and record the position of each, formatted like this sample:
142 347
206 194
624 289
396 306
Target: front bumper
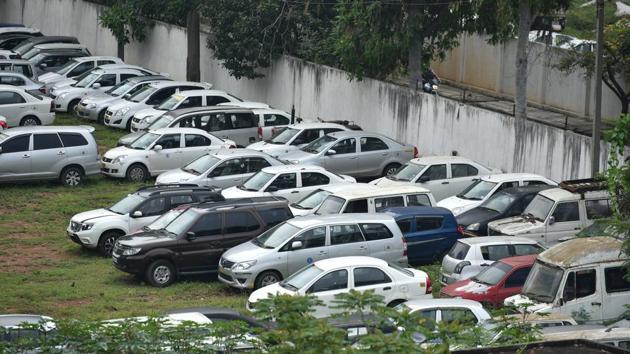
83 238
239 280
115 121
129 264
137 124
113 170
83 111
61 104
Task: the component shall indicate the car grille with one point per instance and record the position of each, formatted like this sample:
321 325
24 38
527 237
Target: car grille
75 226
105 159
226 264
226 277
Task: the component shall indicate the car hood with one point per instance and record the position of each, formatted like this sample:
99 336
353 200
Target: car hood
458 205
386 182
124 103
97 97
149 112
272 149
519 301
300 212
273 289
72 90
517 225
246 252
49 77
93 215
297 155
129 138
476 215
466 288
143 238
122 150
61 83
175 176
234 192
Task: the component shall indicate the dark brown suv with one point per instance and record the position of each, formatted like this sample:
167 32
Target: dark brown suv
195 240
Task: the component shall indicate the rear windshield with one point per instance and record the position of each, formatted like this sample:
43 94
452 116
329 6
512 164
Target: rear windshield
459 251
331 205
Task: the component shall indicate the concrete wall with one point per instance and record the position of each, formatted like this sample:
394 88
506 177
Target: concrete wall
436 125
476 63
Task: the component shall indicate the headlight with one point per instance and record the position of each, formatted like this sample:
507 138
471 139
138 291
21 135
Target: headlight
131 251
119 160
122 111
243 265
295 162
85 227
460 266
473 227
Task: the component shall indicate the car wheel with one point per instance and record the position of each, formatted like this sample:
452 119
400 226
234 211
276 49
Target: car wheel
71 176
137 173
71 106
106 243
101 117
160 273
267 278
128 126
390 169
30 120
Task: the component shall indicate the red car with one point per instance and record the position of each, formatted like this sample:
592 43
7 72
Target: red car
492 285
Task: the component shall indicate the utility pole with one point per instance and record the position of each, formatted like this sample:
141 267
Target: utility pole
598 89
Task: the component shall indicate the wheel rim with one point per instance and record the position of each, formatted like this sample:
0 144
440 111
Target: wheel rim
30 121
108 245
162 274
72 178
390 171
268 279
136 174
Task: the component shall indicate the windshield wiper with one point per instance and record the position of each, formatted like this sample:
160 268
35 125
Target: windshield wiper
288 286
189 170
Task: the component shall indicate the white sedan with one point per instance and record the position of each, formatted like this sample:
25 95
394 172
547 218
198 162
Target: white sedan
329 277
23 108
446 310
291 182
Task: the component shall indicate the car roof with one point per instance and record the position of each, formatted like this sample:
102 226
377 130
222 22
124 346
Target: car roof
381 191
315 125
429 303
313 220
49 128
506 177
430 160
5 30
232 203
156 189
14 320
520 260
179 130
245 104
12 73
292 168
60 46
356 133
51 39
583 251
200 92
147 78
332 263
227 153
95 57
69 52
485 240
15 61
162 84
525 190
10 87
114 70
182 111
397 212
561 194
337 187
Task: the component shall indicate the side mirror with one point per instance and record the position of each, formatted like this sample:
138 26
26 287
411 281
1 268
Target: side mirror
272 189
296 245
191 236
331 152
424 179
137 214
157 147
96 85
552 220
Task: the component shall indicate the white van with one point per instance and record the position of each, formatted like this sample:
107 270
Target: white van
583 277
375 200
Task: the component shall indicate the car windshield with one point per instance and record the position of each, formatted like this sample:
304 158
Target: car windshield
493 274
331 205
539 207
319 145
256 182
312 200
302 277
165 219
120 89
87 81
407 172
171 102
140 95
543 282
276 236
33 52
67 67
161 122
499 202
127 204
3 137
284 136
201 165
183 222
478 190
144 141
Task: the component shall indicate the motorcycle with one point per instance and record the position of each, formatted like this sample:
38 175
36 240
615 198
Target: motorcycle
430 86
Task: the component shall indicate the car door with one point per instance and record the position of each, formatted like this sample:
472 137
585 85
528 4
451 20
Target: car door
215 100
195 146
563 222
435 179
271 123
76 146
169 157
511 285
228 173
313 249
106 81
326 287
12 106
244 128
191 101
239 227
381 242
47 155
201 249
347 240
310 181
147 212
342 157
428 241
376 280
15 158
462 175
582 295
285 185
374 154
617 288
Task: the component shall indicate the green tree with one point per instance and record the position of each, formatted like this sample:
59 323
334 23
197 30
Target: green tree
127 21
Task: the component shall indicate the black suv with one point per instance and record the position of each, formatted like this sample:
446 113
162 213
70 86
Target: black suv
195 240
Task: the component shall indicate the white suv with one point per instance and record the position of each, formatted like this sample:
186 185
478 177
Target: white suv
158 151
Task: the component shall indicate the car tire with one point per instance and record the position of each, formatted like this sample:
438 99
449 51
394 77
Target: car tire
106 243
395 303
160 273
137 173
30 120
100 119
390 169
128 125
71 106
267 278
71 176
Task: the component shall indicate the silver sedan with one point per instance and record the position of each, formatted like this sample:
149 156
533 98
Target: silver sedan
354 153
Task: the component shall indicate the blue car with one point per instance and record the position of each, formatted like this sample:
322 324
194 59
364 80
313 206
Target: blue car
429 232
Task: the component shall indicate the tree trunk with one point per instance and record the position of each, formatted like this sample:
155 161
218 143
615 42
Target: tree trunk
193 71
414 66
524 23
121 50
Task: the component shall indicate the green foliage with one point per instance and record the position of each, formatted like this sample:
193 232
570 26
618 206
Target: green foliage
126 20
581 20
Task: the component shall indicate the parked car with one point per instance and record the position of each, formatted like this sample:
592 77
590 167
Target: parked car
94 105
54 47
20 81
557 214
444 176
55 88
432 311
14 29
52 61
270 120
158 151
66 153
587 276
502 279
486 186
288 181
19 66
374 200
25 108
313 200
298 242
544 320
221 314
100 228
294 137
194 241
430 232
326 278
7 54
470 255
503 204
119 115
10 41
76 67
220 169
615 337
15 327
354 153
29 43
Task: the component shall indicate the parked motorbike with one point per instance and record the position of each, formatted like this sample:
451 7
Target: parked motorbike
430 86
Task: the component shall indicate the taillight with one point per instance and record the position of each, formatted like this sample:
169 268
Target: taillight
416 154
260 133
429 285
460 229
404 247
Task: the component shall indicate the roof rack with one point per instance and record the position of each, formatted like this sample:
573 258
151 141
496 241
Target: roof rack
583 185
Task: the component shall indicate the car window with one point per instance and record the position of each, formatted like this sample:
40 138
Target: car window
517 278
310 179
566 212
426 223
334 280
426 317
193 101
372 144
597 209
81 68
434 172
345 146
356 206
124 77
169 141
229 168
366 276
208 225
284 181
342 234
8 97
240 221
152 207
177 200
579 284
374 232
459 251
219 122
192 140
616 279
463 170
404 225
160 95
275 119
418 200
312 238
242 120
506 185
534 183
104 62
215 100
274 216
524 250
255 164
496 252
46 141
17 144
194 121
388 202
11 80
72 139
461 315
107 80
